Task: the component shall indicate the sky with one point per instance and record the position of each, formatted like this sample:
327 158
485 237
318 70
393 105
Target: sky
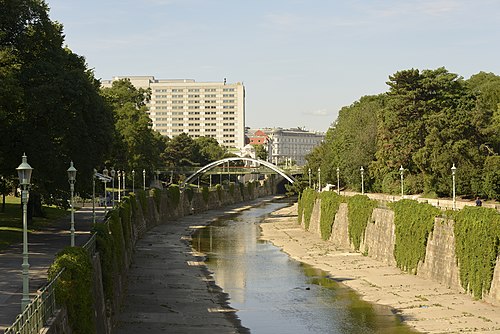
301 61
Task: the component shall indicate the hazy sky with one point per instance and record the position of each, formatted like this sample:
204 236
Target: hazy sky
300 60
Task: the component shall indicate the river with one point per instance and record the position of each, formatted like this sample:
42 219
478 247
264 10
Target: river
273 293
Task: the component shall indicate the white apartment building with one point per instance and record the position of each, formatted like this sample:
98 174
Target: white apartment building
288 146
200 109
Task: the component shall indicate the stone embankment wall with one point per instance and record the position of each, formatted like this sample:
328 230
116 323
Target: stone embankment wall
440 262
151 208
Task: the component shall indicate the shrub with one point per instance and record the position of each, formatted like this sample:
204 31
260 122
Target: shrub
205 192
477 235
74 287
218 188
330 203
174 195
308 199
157 198
414 222
360 209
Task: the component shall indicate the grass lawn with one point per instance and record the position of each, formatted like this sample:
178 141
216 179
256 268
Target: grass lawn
11 226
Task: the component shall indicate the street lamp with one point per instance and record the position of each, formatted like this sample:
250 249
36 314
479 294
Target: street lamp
119 186
24 172
144 179
319 178
123 183
133 181
72 180
401 171
453 170
362 170
93 195
112 173
105 172
338 181
309 177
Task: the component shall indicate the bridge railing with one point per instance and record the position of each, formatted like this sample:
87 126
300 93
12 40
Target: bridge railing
38 311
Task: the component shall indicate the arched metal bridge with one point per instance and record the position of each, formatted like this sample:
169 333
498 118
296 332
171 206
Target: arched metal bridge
244 159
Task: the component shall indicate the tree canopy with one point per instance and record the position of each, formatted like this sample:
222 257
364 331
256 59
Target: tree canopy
426 122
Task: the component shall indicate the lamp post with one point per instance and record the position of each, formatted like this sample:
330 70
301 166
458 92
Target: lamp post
319 179
119 185
453 170
112 173
309 177
362 170
144 179
401 171
105 172
123 182
72 180
133 181
338 181
24 172
93 195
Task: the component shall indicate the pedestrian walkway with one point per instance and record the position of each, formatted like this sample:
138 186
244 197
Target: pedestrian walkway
43 245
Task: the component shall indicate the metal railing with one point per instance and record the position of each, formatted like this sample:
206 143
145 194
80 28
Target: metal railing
90 245
37 312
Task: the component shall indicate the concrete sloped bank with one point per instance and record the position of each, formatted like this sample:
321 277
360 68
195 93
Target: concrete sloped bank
431 302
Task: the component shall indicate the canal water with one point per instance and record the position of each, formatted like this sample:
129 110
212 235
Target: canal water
276 294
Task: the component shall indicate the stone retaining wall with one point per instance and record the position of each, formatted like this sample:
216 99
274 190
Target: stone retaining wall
440 263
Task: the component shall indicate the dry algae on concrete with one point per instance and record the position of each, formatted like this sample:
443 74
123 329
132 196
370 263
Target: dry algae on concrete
428 306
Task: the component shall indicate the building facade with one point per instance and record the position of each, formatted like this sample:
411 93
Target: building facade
200 109
286 146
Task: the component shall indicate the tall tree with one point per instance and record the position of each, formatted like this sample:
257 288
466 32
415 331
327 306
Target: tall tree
50 103
137 145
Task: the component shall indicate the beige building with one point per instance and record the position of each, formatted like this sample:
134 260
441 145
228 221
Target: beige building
200 109
291 146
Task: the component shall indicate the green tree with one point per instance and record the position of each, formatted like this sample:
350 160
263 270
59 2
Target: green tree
261 152
136 145
50 107
209 150
349 144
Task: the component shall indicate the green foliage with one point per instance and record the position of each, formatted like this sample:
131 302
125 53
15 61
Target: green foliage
300 208
49 102
477 239
260 152
125 212
136 144
242 190
330 202
250 188
116 230
218 188
491 183
205 192
350 144
189 193
308 198
109 264
74 287
143 200
360 209
414 222
231 188
174 195
157 198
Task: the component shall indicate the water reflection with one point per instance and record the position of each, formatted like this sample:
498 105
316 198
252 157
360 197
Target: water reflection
275 294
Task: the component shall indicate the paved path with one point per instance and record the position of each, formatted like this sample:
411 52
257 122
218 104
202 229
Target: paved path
43 245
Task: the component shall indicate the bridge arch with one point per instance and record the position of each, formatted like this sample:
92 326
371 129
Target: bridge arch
219 162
